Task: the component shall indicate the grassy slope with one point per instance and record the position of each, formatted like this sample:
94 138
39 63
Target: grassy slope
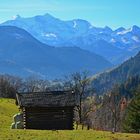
8 109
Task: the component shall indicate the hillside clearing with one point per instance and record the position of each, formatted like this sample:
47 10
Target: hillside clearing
8 109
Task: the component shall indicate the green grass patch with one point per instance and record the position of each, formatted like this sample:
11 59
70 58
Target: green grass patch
8 109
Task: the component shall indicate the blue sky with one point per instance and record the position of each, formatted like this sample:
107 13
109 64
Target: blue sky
113 13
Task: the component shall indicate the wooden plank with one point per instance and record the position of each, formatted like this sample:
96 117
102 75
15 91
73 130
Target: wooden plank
49 118
59 98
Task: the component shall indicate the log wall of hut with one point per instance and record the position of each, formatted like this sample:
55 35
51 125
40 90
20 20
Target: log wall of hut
48 118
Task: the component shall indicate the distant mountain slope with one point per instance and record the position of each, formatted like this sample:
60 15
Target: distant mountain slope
116 46
23 55
105 81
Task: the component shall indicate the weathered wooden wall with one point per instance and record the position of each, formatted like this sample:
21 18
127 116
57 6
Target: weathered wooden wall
48 118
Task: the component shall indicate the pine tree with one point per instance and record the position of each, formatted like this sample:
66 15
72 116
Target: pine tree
132 119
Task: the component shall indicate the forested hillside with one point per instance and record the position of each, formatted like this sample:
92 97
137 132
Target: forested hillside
107 80
123 100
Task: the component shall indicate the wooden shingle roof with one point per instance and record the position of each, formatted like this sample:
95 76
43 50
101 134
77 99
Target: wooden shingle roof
46 99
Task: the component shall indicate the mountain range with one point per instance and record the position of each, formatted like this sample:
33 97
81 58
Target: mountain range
114 45
23 55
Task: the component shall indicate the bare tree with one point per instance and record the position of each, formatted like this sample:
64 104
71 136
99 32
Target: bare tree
9 85
88 106
82 86
114 106
35 84
15 82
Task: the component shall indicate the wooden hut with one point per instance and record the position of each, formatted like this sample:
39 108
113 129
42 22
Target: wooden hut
47 111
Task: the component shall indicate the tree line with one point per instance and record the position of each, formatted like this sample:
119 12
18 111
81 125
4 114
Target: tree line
116 110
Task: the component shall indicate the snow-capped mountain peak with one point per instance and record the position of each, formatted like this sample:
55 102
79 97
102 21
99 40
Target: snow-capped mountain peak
78 32
117 31
135 29
124 31
16 17
107 29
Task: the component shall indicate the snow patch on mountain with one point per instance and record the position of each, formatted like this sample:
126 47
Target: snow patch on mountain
135 38
125 31
15 17
50 35
18 36
124 40
74 24
112 40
